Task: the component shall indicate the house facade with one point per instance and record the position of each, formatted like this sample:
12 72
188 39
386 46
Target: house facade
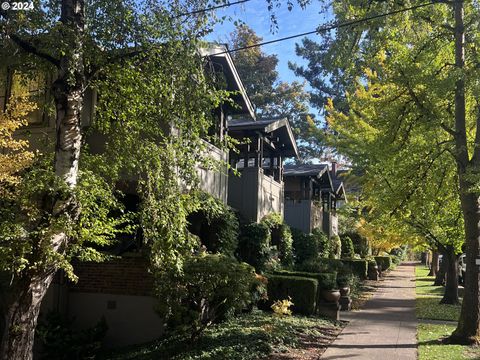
121 290
312 194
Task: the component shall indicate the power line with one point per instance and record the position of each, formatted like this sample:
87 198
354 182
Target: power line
211 8
328 28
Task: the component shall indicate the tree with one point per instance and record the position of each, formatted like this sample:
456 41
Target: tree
432 87
274 98
143 59
15 156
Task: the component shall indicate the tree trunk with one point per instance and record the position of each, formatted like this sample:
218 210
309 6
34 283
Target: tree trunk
20 317
468 328
434 265
68 90
441 273
450 259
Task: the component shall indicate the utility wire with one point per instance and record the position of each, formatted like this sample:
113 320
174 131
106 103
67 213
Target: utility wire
329 27
211 8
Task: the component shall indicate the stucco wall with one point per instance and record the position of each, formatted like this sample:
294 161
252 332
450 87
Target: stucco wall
130 319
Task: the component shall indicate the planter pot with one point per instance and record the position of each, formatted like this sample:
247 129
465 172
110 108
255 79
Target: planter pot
345 291
331 296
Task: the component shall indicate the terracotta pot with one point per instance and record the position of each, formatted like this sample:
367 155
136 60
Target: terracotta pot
331 295
345 290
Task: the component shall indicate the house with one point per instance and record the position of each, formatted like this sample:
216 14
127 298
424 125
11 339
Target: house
121 290
312 194
259 188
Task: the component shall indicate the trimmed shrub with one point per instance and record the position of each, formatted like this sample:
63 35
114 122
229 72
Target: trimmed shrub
360 243
281 237
358 267
216 224
254 245
303 292
322 265
210 289
348 250
383 262
336 247
305 246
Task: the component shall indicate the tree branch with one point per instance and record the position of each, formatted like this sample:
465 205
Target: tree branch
29 48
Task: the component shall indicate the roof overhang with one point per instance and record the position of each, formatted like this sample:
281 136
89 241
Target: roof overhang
276 128
220 56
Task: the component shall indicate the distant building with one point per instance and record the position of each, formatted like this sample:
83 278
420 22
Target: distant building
312 194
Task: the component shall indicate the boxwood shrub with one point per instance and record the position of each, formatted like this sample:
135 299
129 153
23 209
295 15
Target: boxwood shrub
383 262
303 292
358 267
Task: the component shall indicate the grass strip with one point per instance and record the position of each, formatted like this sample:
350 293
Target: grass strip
428 298
431 348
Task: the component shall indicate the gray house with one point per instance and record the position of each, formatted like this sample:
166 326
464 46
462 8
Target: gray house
312 194
255 183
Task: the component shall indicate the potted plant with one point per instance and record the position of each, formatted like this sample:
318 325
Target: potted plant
328 284
344 282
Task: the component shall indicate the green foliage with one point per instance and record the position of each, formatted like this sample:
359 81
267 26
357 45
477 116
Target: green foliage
345 279
383 262
302 291
324 244
60 342
216 224
281 237
305 246
274 98
358 267
322 265
336 247
27 223
210 288
254 245
348 250
327 280
246 337
360 243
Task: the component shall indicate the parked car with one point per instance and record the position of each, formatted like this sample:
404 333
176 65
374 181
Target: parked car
462 267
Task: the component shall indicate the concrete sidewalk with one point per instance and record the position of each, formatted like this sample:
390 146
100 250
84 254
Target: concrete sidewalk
386 327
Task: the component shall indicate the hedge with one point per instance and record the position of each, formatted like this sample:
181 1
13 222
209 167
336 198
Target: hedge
303 292
358 267
321 265
383 262
326 280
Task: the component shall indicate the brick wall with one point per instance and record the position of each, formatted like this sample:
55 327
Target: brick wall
125 276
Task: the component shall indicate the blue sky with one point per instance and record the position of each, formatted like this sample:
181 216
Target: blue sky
255 14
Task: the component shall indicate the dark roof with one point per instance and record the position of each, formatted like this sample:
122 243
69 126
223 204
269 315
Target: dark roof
305 170
220 57
279 127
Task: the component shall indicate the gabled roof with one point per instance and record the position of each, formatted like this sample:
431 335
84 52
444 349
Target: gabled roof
316 171
220 56
278 127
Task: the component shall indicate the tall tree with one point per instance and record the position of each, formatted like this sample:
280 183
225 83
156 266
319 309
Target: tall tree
274 98
142 57
425 61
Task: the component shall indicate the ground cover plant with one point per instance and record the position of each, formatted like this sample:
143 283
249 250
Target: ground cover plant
428 298
248 336
430 348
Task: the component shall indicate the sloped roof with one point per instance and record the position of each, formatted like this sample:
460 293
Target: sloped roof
305 170
279 127
220 55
